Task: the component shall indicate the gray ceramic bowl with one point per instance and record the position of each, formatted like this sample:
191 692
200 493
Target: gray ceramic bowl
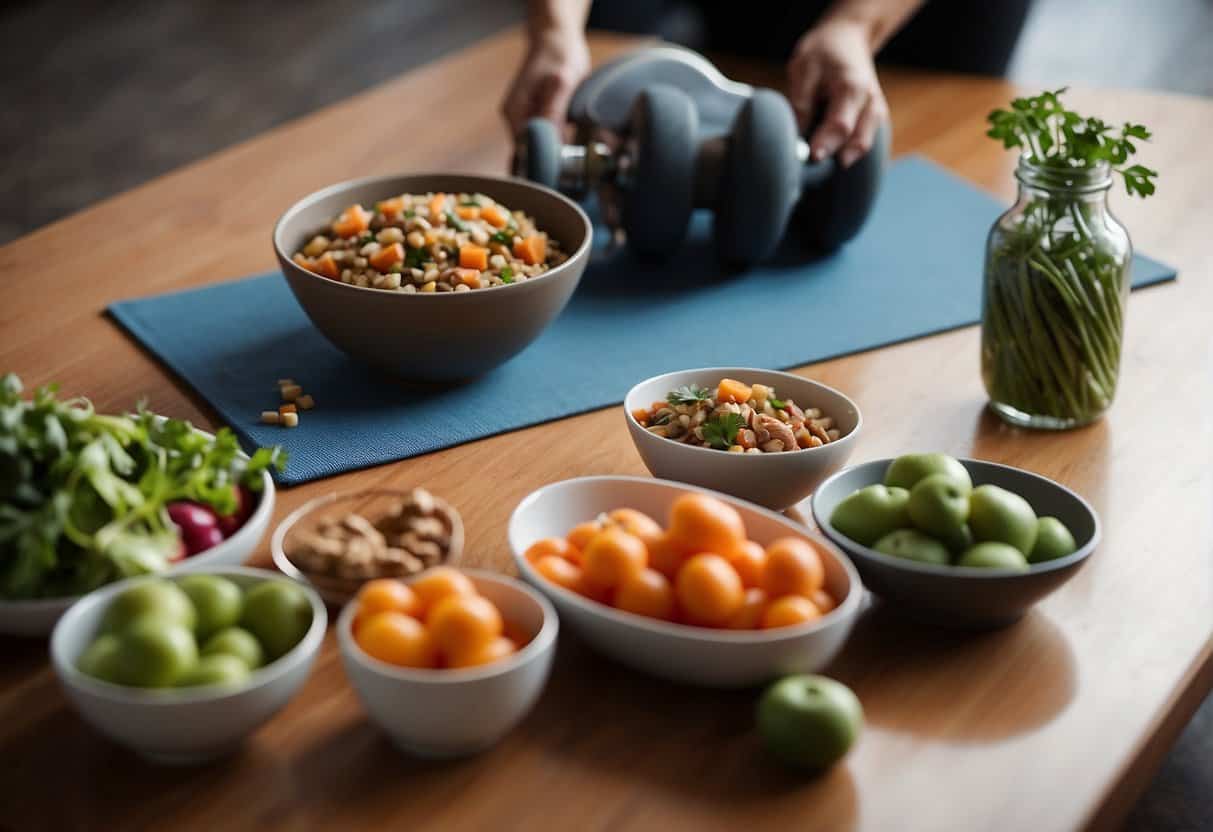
434 337
964 596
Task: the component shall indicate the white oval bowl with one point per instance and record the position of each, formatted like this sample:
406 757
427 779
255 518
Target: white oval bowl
37 617
186 725
777 480
694 655
454 713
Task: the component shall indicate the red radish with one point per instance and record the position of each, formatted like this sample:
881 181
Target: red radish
198 524
230 524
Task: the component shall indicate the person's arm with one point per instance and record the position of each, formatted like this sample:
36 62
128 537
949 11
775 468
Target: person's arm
557 60
832 68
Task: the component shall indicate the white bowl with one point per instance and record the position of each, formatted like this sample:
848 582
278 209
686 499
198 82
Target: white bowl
37 617
695 655
187 725
454 713
777 480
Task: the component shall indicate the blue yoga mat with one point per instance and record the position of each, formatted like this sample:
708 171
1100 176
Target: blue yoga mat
914 270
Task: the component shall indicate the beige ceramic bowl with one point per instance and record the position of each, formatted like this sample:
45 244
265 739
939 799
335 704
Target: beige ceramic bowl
775 480
435 337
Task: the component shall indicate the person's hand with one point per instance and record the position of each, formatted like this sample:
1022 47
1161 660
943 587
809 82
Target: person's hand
557 62
831 76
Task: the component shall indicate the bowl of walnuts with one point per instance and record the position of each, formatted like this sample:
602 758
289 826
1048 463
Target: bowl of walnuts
338 542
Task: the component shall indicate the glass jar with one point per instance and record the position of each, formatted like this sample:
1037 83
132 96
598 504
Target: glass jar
1056 284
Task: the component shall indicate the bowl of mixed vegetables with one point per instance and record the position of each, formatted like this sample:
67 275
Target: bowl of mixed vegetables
87 499
761 435
433 277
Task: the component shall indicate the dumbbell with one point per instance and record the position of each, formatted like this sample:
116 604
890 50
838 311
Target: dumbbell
756 176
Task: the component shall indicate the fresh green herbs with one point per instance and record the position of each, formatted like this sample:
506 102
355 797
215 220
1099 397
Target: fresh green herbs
83 496
507 275
504 236
778 404
367 237
470 203
720 432
455 223
1057 137
689 394
414 257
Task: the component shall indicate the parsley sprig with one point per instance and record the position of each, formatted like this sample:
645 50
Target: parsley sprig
721 430
689 394
1056 136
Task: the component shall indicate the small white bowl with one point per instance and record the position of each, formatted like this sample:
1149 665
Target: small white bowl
187 725
776 480
694 655
37 617
454 713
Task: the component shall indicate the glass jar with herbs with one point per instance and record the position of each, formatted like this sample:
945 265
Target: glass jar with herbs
1057 266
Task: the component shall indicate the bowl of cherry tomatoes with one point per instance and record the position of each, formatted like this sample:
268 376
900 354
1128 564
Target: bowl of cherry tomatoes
684 583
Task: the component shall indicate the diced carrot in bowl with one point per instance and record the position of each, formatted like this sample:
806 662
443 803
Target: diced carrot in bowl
390 207
387 257
474 257
437 205
494 216
731 390
531 250
468 212
326 266
352 222
468 277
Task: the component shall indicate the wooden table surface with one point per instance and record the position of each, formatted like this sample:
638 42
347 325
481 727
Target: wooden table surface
1055 723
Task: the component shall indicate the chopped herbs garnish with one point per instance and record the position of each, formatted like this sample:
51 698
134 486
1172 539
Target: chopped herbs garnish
778 404
456 223
689 394
414 257
409 214
507 275
504 236
471 203
720 431
367 237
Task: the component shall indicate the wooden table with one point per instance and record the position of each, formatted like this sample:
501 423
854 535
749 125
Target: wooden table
1054 723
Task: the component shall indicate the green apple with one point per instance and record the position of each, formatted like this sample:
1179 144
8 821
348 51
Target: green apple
278 614
154 653
217 601
219 669
912 544
1053 540
998 515
99 659
994 556
809 721
908 469
160 598
939 506
872 512
237 642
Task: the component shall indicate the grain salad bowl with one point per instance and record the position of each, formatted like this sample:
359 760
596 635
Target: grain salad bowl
438 336
774 480
715 658
957 596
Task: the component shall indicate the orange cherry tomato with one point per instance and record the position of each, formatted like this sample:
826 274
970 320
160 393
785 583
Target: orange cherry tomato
439 582
823 600
701 523
637 523
788 611
749 559
557 546
749 615
495 650
560 572
383 594
793 568
666 556
582 533
612 555
708 590
398 639
647 592
463 623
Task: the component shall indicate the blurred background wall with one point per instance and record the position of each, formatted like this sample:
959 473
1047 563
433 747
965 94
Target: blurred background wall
97 97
